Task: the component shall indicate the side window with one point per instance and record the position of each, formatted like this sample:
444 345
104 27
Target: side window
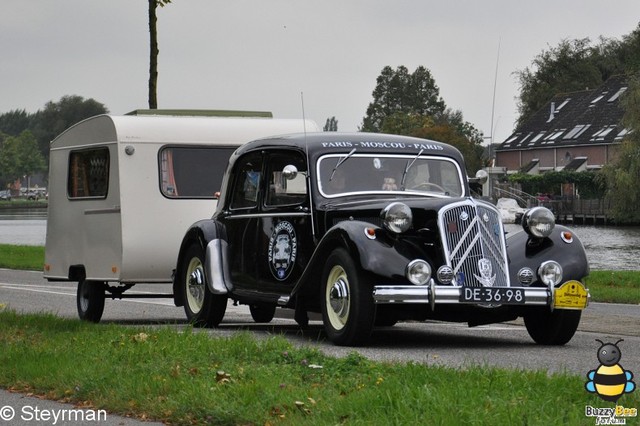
192 172
248 177
283 191
88 173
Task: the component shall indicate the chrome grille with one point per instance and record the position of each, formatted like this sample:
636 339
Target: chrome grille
474 244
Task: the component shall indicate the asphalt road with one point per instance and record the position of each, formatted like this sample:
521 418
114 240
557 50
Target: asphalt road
430 343
433 343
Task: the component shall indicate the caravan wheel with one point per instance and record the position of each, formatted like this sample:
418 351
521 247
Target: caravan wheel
90 300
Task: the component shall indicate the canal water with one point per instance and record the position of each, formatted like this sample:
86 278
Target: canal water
23 226
607 247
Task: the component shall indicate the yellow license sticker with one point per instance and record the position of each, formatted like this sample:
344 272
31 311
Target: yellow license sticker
571 295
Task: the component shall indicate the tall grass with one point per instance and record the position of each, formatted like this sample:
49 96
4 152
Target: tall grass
188 377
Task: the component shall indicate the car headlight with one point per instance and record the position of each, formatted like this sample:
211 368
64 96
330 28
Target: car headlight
538 222
418 272
550 272
397 217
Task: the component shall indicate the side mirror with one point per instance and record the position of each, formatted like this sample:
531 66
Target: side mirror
290 172
481 177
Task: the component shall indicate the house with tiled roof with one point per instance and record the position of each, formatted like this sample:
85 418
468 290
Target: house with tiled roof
576 131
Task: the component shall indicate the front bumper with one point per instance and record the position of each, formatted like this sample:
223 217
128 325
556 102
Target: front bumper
433 294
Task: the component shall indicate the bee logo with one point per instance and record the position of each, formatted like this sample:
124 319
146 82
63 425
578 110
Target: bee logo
609 381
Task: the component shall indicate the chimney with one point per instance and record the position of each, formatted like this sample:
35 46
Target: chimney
552 113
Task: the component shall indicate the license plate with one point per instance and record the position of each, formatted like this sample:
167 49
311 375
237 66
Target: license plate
502 295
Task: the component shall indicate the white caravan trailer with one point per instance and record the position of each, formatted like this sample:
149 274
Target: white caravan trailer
124 189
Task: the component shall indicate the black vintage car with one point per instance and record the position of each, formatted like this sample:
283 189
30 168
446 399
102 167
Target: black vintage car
371 229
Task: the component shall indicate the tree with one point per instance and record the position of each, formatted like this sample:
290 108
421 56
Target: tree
56 117
410 104
422 126
400 91
331 125
19 156
15 122
574 65
154 51
622 176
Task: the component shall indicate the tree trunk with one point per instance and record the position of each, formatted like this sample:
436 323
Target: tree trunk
153 57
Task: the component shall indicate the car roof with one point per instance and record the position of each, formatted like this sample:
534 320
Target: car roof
318 144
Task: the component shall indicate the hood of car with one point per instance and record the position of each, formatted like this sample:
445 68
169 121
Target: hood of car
353 204
425 210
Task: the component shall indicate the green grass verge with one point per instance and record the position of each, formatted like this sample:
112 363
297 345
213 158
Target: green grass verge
21 257
188 377
614 286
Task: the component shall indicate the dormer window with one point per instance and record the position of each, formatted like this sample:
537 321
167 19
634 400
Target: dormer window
512 138
576 132
523 140
553 136
622 134
566 101
537 138
617 94
600 134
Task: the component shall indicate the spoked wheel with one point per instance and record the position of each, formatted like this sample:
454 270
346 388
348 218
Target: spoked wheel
552 328
90 300
348 311
262 312
203 308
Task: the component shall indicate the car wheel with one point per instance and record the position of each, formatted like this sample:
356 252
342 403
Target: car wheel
202 307
348 311
90 300
552 328
262 312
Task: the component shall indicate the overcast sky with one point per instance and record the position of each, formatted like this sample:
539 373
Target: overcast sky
261 55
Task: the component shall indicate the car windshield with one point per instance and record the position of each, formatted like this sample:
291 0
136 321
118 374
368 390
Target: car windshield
371 173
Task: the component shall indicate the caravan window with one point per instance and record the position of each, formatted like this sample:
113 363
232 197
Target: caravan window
88 175
192 172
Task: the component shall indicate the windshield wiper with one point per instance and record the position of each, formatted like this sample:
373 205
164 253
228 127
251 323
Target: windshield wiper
342 160
406 169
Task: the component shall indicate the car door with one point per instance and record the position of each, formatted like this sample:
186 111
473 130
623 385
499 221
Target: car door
285 241
241 220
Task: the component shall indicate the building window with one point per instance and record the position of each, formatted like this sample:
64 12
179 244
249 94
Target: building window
88 174
617 94
537 137
523 140
512 138
566 101
600 134
622 134
553 136
577 131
